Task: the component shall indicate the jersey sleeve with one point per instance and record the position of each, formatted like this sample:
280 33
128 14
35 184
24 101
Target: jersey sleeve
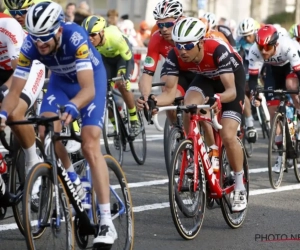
153 55
293 54
79 43
171 64
224 60
123 47
13 40
255 60
227 33
27 55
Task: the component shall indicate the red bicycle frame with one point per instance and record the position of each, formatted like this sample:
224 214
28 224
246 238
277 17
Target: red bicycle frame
216 191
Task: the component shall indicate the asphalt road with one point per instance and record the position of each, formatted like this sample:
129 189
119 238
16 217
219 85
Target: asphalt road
272 218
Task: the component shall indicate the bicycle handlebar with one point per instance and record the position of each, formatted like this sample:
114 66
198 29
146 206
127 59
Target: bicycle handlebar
214 120
118 78
278 91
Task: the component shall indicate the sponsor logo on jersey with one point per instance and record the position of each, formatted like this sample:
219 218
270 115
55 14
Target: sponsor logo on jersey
255 54
11 36
234 62
37 82
23 61
168 61
82 51
223 56
149 62
76 38
26 45
21 74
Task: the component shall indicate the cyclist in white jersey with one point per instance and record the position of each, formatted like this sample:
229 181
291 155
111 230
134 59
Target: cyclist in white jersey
283 54
11 40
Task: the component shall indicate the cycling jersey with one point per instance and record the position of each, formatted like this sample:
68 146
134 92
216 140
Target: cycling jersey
75 53
11 40
227 33
117 46
216 34
243 48
287 51
157 46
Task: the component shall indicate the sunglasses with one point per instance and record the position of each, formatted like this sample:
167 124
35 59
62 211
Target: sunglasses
94 34
166 24
266 47
186 46
43 38
20 12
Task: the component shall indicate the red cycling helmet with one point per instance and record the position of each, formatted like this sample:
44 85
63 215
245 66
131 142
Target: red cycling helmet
267 35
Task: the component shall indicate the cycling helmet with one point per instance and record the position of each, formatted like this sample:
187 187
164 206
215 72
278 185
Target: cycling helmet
247 27
211 18
127 27
44 18
282 32
267 35
167 8
18 4
189 29
204 20
94 24
296 31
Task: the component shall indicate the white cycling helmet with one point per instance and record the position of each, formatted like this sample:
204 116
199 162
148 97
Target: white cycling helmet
246 27
189 29
167 8
44 18
211 18
282 32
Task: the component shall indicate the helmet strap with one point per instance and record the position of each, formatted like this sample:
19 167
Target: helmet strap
101 39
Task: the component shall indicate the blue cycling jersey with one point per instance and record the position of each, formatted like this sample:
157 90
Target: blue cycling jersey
75 53
242 44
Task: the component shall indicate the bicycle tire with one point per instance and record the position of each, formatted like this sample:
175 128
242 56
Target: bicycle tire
123 186
119 155
275 182
264 123
17 175
140 159
197 211
295 161
228 180
166 139
45 170
177 133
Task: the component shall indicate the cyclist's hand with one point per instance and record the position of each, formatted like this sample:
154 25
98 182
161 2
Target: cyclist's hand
70 113
214 102
257 103
141 102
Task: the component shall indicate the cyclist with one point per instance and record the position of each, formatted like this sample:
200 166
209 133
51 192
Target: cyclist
11 39
78 81
211 18
167 13
281 52
118 59
296 33
246 32
220 75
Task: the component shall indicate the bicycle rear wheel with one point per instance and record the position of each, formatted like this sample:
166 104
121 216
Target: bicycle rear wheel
233 219
187 207
167 130
121 206
112 135
56 234
277 153
138 146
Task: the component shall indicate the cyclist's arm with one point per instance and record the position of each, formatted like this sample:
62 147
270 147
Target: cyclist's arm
7 84
293 55
126 53
227 33
255 65
150 63
172 68
85 77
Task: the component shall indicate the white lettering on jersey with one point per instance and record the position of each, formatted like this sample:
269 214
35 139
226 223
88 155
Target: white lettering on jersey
76 38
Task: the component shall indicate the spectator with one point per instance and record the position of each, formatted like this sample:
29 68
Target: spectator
70 12
144 33
112 17
82 12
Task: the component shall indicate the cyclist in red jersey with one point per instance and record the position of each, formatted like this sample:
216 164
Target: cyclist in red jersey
166 13
221 77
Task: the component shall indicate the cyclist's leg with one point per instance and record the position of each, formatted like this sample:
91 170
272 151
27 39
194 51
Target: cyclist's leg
92 123
25 133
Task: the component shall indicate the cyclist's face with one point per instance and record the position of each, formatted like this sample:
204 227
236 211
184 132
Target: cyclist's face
95 38
250 38
45 48
268 51
19 15
191 55
165 27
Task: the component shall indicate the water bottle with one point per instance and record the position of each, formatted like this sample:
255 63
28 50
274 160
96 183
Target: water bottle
3 167
86 202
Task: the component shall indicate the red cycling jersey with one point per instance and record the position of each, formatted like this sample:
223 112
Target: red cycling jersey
157 46
219 58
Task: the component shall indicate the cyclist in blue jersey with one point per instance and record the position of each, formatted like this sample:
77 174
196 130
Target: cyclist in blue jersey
78 81
246 32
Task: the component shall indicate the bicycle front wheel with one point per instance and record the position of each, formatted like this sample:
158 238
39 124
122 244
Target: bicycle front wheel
56 231
187 206
277 151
